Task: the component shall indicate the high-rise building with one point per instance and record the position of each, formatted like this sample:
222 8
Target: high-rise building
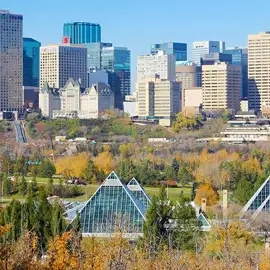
94 54
97 75
259 71
161 64
158 98
175 48
240 57
116 60
82 32
58 63
31 62
212 58
200 48
190 75
11 61
222 85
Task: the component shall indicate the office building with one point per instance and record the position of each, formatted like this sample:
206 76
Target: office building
72 101
212 58
200 48
94 54
58 63
97 75
11 61
259 71
82 32
192 100
240 57
130 105
190 75
161 64
158 98
179 50
222 86
30 97
116 60
31 62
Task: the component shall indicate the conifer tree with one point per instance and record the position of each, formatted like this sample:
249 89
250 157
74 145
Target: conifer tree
23 186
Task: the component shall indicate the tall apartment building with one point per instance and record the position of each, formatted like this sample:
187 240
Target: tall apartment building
162 64
31 57
240 57
222 86
190 75
179 50
200 48
58 63
158 98
11 61
82 32
259 71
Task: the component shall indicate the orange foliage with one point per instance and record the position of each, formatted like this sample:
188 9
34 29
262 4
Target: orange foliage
104 161
4 229
208 192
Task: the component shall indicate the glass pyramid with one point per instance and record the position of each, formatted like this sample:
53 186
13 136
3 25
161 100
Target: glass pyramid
139 192
112 208
205 225
259 202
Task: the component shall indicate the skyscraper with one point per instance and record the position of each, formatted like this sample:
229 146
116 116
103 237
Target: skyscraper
240 57
259 71
161 64
175 48
11 60
212 58
82 32
31 62
116 60
200 48
58 63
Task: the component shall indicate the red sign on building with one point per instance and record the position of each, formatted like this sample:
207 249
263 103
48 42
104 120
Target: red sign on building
66 40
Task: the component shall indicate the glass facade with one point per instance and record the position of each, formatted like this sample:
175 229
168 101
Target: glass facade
212 58
82 32
177 49
240 57
31 58
111 208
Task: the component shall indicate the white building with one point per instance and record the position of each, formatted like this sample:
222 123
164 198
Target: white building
11 61
201 48
259 71
221 84
192 99
148 66
158 98
71 102
58 63
130 105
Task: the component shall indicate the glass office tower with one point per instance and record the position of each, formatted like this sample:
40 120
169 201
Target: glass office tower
177 49
240 57
82 32
31 59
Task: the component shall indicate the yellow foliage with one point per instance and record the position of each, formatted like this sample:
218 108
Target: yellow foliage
4 229
104 161
72 166
253 165
208 192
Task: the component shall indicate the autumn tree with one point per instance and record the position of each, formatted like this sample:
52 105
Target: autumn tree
207 192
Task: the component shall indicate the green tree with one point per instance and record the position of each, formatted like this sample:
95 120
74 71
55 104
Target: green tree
244 191
191 122
175 167
184 176
46 169
20 166
50 187
57 222
90 173
23 186
7 186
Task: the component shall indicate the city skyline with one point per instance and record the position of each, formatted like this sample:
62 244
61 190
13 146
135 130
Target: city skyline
201 23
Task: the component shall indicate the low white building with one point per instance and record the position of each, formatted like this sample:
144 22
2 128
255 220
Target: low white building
73 102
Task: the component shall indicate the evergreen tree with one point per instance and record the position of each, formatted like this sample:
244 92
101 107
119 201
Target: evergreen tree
23 186
175 167
46 169
50 187
34 184
185 176
90 172
7 186
15 217
193 191
244 191
57 222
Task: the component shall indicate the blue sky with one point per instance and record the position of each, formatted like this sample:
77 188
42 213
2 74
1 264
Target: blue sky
138 23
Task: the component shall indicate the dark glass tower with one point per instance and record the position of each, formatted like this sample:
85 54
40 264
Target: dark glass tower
82 32
31 62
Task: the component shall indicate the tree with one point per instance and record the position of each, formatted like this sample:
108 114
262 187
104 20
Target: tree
23 186
191 122
57 223
206 191
244 191
7 186
184 176
50 187
46 169
175 167
90 173
20 166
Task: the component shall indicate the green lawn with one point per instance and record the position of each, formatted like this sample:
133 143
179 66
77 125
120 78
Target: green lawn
43 180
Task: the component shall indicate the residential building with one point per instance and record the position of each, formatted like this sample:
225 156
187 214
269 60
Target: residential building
31 49
179 50
212 58
190 75
58 63
158 98
240 57
97 75
222 85
94 54
71 101
161 64
200 48
116 60
192 100
259 71
30 97
82 32
244 105
11 59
